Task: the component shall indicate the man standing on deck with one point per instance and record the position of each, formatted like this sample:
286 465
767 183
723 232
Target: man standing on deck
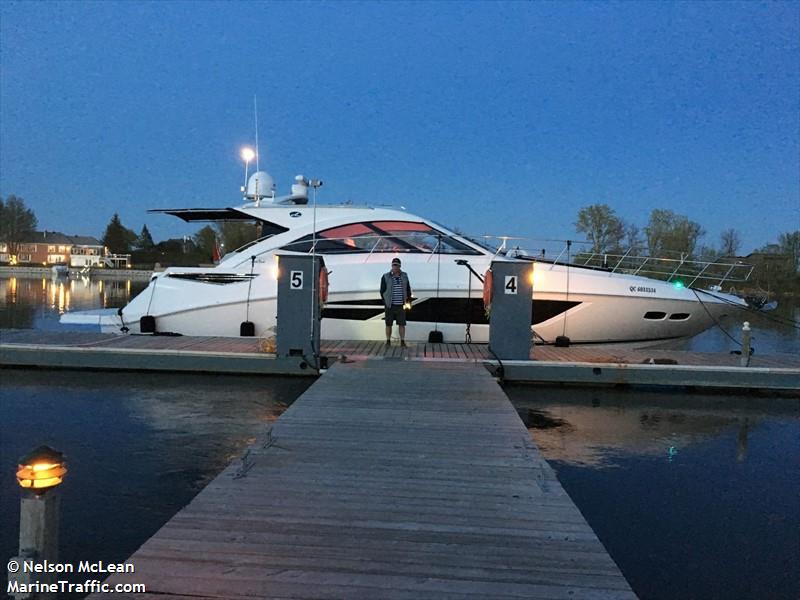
395 291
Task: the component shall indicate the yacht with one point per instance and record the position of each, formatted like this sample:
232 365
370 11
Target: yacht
585 299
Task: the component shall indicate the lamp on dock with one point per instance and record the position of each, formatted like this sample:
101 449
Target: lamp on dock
41 469
39 473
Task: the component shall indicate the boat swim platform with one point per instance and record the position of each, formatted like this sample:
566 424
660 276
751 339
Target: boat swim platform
580 365
385 479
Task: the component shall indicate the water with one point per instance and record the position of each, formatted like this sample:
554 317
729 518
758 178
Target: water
38 302
772 332
693 496
138 447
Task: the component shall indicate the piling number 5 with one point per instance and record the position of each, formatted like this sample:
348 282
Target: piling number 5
296 280
511 284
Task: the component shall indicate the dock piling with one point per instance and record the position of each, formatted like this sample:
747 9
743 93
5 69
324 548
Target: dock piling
298 334
510 318
746 350
38 474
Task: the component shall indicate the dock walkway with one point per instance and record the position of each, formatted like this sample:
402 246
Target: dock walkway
245 356
55 341
385 479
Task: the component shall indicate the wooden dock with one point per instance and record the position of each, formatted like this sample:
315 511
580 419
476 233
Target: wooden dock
548 364
385 479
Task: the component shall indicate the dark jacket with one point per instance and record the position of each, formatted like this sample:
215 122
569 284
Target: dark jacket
386 287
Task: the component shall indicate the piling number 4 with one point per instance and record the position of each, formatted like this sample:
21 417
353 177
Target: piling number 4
511 284
296 280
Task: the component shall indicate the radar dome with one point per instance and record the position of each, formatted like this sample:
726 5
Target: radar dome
260 185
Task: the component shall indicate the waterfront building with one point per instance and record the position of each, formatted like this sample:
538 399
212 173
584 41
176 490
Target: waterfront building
49 248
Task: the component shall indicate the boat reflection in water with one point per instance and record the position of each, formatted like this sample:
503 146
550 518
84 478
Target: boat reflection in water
38 302
638 423
694 496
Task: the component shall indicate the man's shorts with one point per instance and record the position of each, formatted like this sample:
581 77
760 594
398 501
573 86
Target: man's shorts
395 312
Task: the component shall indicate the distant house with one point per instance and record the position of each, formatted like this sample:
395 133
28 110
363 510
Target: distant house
41 248
87 252
55 248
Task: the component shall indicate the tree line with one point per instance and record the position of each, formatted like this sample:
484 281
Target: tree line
665 233
670 234
206 245
17 223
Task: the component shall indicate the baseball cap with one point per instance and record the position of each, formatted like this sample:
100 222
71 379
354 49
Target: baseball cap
395 261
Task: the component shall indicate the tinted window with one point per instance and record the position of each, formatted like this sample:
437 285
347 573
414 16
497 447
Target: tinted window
382 236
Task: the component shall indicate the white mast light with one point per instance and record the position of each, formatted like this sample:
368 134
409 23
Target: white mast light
248 154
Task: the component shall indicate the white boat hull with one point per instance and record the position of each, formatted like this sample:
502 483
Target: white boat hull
590 306
595 319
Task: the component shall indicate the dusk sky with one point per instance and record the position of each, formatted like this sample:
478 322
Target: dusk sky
497 118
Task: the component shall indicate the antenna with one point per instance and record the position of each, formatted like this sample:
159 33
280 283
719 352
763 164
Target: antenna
255 113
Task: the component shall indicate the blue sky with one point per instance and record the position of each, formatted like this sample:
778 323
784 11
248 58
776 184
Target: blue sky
498 118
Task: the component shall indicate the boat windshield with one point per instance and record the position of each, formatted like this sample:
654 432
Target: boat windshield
382 236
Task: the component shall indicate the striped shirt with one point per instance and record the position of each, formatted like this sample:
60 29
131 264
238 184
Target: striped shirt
397 291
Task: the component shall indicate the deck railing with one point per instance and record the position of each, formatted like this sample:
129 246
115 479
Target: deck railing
688 271
636 261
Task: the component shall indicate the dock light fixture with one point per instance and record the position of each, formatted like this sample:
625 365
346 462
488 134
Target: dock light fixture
41 469
39 472
678 284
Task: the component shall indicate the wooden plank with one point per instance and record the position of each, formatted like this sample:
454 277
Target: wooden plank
426 487
87 350
369 349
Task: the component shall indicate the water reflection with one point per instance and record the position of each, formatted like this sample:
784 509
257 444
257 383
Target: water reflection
38 302
694 496
595 427
773 331
139 448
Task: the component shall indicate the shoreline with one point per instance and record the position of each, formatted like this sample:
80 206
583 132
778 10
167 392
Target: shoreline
107 274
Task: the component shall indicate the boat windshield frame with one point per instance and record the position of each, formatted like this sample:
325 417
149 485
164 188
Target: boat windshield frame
384 236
